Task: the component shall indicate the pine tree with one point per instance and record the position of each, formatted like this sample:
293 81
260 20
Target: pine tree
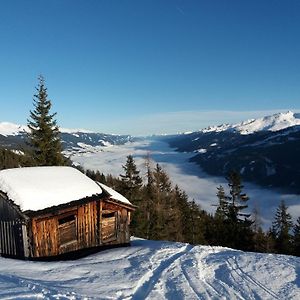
44 136
222 209
130 187
232 226
296 238
131 180
238 200
281 229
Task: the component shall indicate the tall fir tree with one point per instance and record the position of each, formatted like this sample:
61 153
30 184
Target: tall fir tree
232 225
44 138
296 238
237 199
131 180
281 228
222 209
130 187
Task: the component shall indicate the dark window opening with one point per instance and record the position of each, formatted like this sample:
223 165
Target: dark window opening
109 215
67 229
66 219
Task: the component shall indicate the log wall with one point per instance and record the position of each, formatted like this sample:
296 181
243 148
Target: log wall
88 225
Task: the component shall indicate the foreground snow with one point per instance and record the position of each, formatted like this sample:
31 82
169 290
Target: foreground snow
155 270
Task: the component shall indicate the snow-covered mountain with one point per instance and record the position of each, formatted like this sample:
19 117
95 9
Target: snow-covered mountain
155 270
7 128
264 150
274 122
74 140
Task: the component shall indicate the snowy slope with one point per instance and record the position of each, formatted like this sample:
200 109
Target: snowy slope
155 270
13 136
7 128
274 122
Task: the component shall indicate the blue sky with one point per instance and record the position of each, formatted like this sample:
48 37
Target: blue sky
144 67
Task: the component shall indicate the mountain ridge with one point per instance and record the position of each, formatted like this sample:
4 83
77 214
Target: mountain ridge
274 122
264 150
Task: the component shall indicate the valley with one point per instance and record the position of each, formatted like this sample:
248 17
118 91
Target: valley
186 174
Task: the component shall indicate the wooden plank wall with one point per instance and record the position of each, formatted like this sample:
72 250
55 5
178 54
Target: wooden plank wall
11 238
45 237
88 233
45 233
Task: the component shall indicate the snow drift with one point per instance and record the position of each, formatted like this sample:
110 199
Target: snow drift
155 270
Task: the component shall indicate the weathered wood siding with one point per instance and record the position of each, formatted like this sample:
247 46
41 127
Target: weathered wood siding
88 225
13 242
7 210
122 216
13 235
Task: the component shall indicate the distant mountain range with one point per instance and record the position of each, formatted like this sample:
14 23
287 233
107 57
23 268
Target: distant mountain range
265 150
13 136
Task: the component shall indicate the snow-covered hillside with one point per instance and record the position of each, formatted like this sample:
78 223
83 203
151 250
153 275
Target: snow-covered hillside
7 128
13 136
269 123
155 270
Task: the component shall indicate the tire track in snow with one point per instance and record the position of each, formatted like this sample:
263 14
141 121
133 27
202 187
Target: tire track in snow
237 269
153 276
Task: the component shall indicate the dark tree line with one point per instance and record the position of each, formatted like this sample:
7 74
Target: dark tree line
164 212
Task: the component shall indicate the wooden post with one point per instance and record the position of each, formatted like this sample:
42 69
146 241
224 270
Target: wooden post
100 223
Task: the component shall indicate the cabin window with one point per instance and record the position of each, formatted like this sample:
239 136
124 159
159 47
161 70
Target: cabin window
67 229
109 225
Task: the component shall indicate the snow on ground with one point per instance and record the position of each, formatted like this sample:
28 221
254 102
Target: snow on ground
188 176
155 270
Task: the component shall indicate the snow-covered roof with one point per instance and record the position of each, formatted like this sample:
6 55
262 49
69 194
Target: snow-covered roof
35 188
113 194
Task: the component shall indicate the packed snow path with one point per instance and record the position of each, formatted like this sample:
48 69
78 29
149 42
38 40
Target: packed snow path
155 270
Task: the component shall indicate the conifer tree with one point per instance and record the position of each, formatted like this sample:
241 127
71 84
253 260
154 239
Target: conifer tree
131 180
296 238
281 229
232 226
238 200
130 187
44 137
222 209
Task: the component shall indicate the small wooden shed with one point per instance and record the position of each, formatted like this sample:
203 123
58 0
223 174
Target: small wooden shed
49 212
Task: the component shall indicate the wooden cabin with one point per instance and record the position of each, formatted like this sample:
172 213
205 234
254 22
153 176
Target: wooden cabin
49 212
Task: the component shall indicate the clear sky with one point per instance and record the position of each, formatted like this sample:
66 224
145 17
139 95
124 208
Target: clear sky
150 66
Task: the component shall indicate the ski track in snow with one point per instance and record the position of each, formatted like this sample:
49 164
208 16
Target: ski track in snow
155 270
149 280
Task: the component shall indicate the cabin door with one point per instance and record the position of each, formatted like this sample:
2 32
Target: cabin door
109 225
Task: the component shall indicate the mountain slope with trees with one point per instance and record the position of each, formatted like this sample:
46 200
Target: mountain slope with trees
268 158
